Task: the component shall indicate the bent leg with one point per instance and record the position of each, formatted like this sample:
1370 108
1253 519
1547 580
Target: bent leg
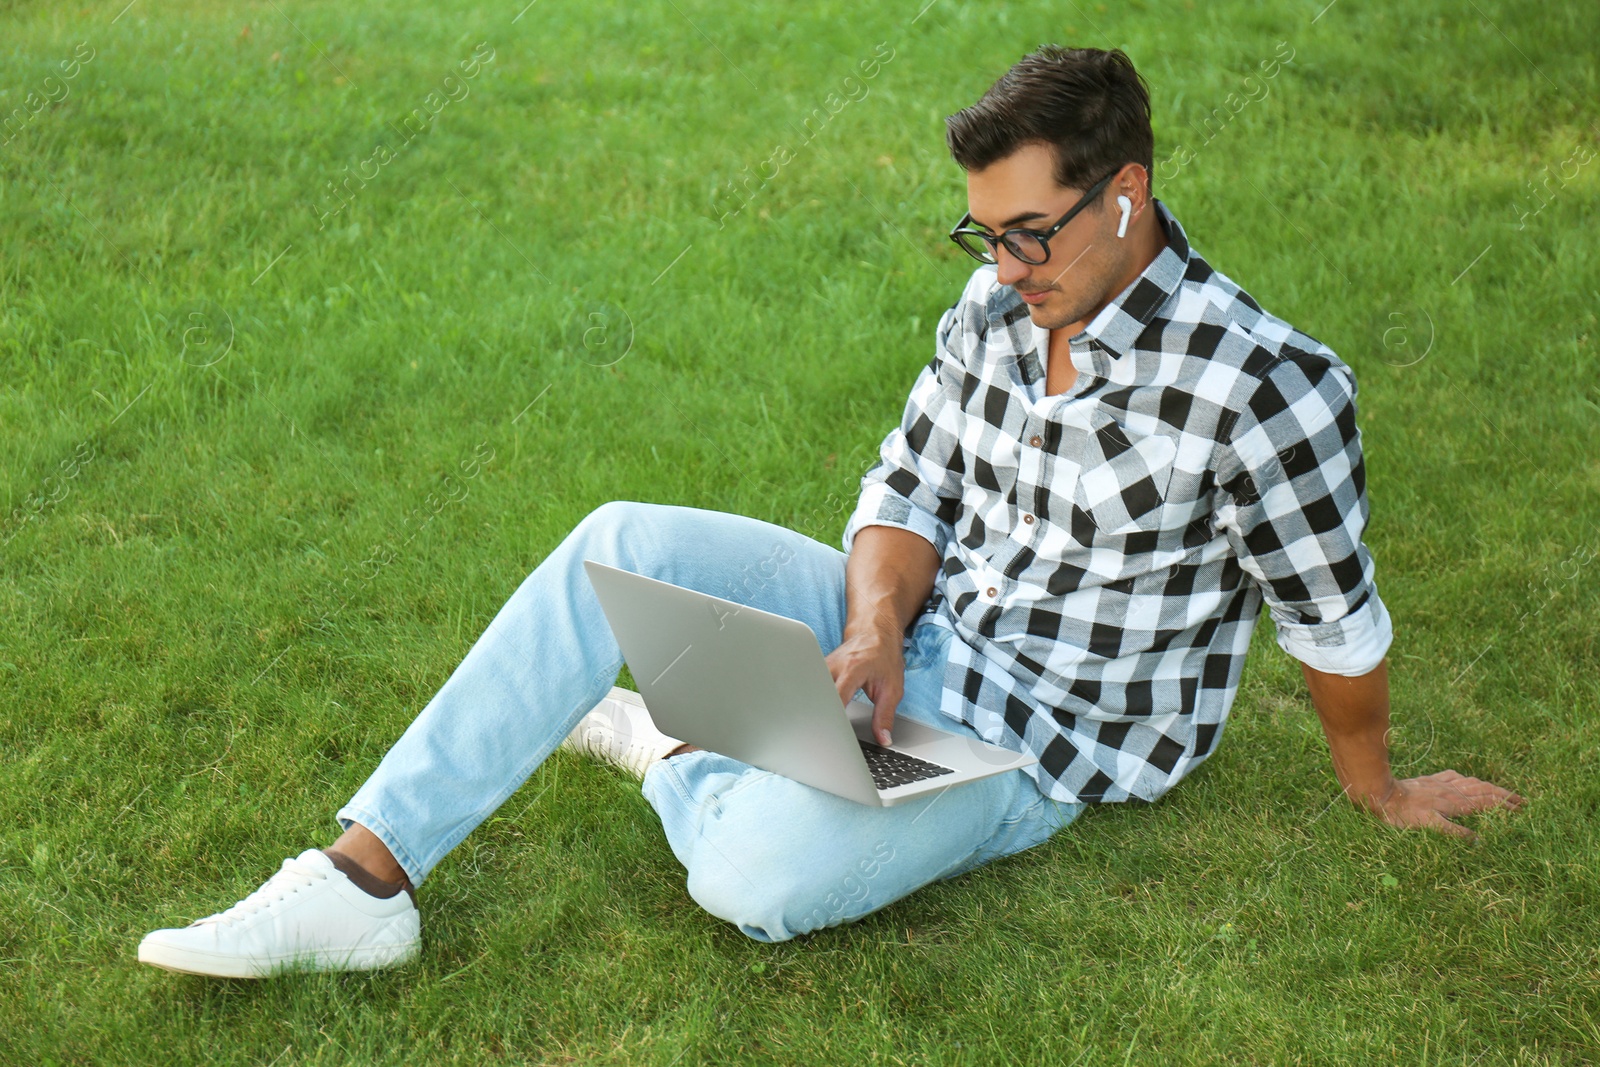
778 858
548 656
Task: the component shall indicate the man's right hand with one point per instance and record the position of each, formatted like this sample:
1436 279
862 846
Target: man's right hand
874 661
888 578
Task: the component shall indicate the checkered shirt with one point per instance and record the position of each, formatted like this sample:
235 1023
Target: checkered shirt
1105 552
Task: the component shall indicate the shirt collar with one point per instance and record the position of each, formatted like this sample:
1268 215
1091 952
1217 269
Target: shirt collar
1121 322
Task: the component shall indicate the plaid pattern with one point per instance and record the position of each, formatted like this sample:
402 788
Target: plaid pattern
1106 552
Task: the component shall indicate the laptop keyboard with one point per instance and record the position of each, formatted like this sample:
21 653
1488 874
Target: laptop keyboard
890 768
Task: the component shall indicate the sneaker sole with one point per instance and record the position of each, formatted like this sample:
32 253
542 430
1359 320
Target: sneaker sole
213 965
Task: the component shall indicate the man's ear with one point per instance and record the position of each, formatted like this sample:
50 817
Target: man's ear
1134 183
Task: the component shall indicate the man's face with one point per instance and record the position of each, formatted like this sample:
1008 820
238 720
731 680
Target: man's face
1020 190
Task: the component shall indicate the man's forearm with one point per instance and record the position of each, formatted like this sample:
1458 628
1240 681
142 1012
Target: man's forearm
1355 717
888 578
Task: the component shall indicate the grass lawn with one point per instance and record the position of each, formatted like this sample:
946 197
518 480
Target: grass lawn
286 417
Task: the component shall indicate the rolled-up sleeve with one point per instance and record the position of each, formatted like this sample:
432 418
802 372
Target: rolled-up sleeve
916 483
1294 509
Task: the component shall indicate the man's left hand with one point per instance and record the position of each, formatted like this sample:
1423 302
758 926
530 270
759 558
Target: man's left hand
1430 801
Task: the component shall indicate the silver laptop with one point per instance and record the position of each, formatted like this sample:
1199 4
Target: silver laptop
753 685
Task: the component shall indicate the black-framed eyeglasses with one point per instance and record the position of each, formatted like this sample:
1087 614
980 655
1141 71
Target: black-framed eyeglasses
1030 246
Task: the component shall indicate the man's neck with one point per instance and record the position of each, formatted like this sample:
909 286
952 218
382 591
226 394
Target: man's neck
1060 374
1151 242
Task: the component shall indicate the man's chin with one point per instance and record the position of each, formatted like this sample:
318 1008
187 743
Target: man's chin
1044 318
1049 316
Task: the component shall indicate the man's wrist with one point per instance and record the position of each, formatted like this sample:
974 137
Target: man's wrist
881 624
1374 798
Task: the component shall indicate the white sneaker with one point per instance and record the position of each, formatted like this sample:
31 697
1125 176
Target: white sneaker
619 731
307 915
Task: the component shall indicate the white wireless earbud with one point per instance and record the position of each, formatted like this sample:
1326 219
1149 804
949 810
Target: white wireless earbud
1127 207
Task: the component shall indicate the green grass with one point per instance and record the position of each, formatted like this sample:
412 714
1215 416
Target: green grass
199 660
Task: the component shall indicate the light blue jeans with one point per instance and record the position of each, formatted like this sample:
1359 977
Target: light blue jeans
772 856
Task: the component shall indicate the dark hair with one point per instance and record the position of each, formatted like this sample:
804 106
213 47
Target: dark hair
1088 105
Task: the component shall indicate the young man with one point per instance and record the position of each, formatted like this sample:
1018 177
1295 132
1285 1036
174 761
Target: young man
1114 457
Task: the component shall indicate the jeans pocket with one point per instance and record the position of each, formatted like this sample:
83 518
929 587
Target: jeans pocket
928 642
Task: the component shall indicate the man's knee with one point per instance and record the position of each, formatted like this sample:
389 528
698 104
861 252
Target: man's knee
617 531
614 517
780 899
759 904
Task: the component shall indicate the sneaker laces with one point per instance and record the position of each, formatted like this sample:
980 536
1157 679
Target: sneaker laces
290 878
601 736
615 740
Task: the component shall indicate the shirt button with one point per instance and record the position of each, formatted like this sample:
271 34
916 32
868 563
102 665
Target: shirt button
1027 518
1036 440
990 590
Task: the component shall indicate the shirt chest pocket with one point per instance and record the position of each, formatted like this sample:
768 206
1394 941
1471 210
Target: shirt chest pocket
1123 486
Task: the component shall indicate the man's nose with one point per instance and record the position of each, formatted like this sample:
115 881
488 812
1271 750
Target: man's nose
1009 270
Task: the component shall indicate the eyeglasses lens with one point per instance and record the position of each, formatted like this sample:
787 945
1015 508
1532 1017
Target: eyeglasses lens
1025 247
976 246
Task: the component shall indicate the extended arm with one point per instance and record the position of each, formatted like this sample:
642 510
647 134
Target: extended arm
1294 510
1355 717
